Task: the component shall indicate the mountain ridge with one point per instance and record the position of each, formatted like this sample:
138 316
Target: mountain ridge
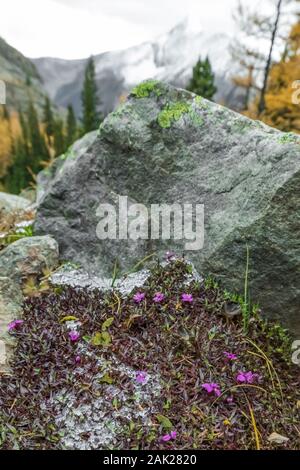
22 79
169 58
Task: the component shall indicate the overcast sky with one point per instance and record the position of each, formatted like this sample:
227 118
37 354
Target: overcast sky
73 29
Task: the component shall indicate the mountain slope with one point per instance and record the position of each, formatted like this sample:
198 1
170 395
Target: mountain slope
23 82
170 58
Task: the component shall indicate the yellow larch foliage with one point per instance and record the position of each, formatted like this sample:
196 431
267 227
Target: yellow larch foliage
283 94
9 128
5 145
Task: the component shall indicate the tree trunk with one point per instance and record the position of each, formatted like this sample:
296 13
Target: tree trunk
249 87
262 102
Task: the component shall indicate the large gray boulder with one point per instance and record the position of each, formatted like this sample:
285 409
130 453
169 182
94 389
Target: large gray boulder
29 257
12 203
165 145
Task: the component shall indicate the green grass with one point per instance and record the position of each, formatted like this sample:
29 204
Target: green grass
246 303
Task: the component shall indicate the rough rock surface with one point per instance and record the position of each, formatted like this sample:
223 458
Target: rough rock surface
63 164
11 300
11 203
28 257
165 145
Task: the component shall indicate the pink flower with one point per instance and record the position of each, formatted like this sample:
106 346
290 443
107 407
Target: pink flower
141 377
15 324
169 437
139 297
77 360
246 377
159 297
230 356
212 388
229 400
74 336
169 255
187 298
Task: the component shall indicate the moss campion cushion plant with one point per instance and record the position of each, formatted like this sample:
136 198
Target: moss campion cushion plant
171 374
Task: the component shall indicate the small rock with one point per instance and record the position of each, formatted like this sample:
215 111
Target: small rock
2 355
276 438
29 257
12 203
11 300
231 310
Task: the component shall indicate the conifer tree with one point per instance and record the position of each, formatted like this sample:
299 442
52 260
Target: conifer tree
5 145
24 127
38 151
5 113
71 126
89 97
202 82
18 177
59 138
48 119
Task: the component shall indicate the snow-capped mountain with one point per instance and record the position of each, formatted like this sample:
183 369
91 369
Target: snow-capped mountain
170 58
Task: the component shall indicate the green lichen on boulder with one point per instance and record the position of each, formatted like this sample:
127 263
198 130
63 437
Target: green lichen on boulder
196 119
144 89
172 113
201 103
288 138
